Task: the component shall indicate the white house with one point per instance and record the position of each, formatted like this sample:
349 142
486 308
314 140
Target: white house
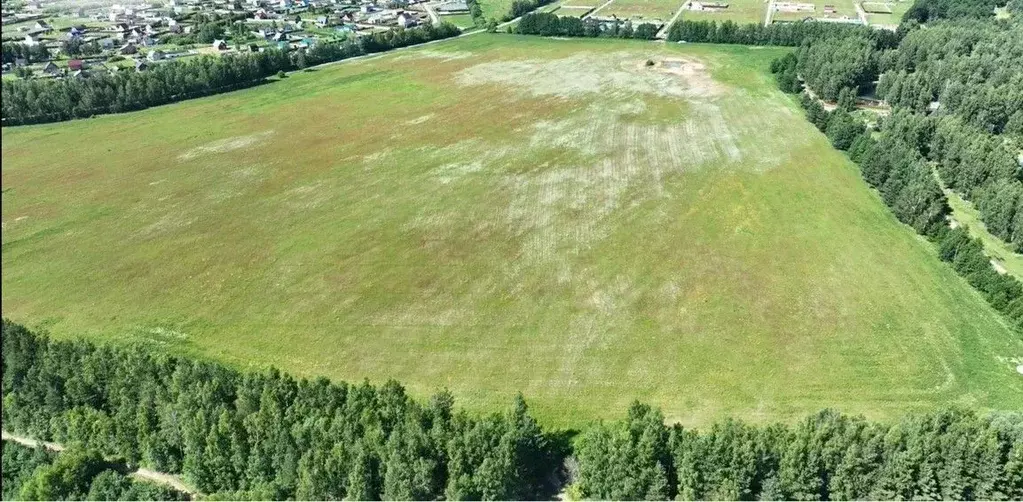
406 20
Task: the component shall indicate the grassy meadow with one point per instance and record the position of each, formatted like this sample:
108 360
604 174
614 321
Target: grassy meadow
496 214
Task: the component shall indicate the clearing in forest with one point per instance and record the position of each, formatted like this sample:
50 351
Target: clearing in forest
496 214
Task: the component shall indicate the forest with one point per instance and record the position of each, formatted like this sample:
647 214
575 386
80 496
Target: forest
268 435
52 100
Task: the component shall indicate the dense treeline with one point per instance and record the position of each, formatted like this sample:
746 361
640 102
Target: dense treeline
783 34
952 455
267 435
965 84
35 474
546 24
927 10
31 53
51 100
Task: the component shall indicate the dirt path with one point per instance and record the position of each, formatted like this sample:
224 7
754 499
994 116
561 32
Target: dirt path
594 11
31 443
770 12
862 13
172 480
434 18
663 33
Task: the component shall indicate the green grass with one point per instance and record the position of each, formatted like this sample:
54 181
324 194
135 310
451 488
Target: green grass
460 20
739 11
497 214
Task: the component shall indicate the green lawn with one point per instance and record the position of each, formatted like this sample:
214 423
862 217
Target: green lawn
996 249
460 20
496 214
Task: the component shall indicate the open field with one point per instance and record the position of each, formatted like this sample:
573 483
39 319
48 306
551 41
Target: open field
460 20
898 9
739 11
661 10
496 214
495 9
844 8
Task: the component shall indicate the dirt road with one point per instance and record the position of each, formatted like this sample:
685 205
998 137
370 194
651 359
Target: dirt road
171 480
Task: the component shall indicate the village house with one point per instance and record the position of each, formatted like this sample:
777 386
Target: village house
155 55
407 20
51 69
708 6
42 26
75 64
141 66
457 7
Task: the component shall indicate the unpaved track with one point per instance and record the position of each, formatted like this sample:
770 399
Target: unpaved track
663 33
598 9
171 480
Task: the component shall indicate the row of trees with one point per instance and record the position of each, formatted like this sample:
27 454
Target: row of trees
35 474
52 100
30 53
952 455
523 7
268 435
782 34
546 24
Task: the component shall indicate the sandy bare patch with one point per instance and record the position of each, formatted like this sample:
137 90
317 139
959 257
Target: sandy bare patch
615 74
226 145
420 120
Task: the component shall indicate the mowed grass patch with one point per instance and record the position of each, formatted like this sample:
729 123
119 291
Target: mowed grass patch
893 18
739 11
500 214
660 10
